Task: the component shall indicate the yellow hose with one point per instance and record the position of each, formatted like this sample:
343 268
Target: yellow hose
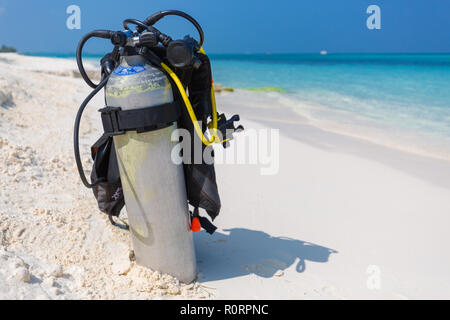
187 103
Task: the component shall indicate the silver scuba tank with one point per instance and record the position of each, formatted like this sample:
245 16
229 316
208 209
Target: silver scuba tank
153 186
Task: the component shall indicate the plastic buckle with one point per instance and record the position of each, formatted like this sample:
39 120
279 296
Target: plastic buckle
227 128
109 116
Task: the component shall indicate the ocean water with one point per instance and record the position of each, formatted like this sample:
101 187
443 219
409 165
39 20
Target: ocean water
404 98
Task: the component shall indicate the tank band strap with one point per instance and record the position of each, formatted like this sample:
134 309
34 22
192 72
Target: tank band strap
117 121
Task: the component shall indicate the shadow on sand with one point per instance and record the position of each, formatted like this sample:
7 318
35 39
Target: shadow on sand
244 251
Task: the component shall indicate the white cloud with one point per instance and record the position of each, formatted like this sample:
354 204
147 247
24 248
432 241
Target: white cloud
2 10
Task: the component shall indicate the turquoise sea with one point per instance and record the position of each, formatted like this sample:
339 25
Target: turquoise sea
404 91
411 91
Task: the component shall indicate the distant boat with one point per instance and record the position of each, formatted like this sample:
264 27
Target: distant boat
323 52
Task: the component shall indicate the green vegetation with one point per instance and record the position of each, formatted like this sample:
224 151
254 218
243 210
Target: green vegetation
4 48
268 89
219 88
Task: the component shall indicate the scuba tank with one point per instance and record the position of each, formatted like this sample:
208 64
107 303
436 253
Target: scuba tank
153 186
145 79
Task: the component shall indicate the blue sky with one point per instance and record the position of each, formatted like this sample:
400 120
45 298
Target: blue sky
238 26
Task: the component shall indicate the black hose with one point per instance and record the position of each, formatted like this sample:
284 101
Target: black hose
76 132
105 34
159 15
139 23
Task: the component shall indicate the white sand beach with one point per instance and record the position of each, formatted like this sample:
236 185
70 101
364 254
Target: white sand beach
344 218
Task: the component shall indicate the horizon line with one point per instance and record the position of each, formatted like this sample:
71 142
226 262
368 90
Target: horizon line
247 53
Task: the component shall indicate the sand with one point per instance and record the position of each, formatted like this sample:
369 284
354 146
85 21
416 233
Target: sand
343 217
48 220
